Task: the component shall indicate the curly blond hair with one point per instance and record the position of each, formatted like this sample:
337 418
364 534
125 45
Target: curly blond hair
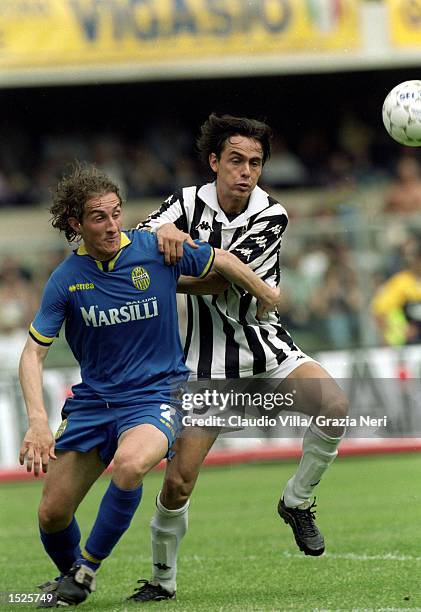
83 182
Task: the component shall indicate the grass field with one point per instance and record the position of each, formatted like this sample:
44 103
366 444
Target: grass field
238 556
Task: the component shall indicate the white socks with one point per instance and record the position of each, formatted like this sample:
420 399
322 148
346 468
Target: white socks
319 450
167 530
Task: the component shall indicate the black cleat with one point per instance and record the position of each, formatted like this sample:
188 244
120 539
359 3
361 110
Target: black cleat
150 592
50 586
48 599
308 537
75 586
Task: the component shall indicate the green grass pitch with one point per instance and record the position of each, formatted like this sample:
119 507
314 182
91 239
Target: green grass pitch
238 555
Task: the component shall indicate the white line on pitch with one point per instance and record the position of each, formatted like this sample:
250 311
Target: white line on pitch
345 556
362 557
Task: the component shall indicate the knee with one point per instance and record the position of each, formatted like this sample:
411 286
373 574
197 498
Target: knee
128 471
53 516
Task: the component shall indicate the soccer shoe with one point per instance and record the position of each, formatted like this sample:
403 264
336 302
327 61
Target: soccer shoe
75 586
50 586
308 537
150 592
48 599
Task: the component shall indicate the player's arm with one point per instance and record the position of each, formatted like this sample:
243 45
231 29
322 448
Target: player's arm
38 444
213 284
171 241
259 246
169 222
199 263
238 273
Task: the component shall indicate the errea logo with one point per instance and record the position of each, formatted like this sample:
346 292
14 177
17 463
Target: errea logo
81 287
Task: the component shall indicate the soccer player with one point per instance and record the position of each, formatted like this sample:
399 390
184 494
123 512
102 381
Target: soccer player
117 300
225 339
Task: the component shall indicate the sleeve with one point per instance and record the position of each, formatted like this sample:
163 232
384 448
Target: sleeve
259 246
50 316
197 262
170 211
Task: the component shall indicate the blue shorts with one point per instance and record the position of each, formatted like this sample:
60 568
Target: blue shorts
92 423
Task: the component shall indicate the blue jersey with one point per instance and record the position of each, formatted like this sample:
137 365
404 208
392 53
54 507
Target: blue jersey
121 317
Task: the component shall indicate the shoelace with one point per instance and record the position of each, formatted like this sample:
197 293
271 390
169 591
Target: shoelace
306 520
144 586
51 585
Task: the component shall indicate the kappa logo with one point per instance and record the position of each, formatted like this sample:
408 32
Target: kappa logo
140 278
245 252
276 229
260 241
171 199
162 566
204 225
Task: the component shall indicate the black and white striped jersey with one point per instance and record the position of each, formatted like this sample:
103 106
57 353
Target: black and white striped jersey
224 339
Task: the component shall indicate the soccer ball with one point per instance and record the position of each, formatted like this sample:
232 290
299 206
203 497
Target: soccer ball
402 113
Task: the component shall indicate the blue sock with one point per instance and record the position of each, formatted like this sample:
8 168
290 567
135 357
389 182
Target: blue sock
63 546
114 517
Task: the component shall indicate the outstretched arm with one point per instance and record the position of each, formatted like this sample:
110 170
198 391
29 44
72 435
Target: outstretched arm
238 273
212 284
38 444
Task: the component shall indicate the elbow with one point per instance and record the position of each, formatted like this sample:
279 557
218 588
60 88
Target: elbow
214 283
219 285
32 354
222 260
226 265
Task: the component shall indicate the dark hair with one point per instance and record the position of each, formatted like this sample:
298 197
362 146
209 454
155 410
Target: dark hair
215 131
83 182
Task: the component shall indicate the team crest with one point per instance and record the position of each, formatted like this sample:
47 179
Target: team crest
60 430
140 278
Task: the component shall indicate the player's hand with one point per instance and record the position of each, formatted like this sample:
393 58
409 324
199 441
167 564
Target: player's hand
171 241
268 302
37 448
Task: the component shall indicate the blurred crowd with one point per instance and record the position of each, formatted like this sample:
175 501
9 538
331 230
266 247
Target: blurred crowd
155 159
329 279
335 295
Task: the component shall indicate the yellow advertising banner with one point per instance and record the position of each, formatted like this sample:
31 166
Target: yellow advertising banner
42 33
405 22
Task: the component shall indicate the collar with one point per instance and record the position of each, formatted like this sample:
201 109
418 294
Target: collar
107 266
258 201
124 241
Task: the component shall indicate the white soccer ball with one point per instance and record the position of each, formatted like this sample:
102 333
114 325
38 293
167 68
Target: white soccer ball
402 113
